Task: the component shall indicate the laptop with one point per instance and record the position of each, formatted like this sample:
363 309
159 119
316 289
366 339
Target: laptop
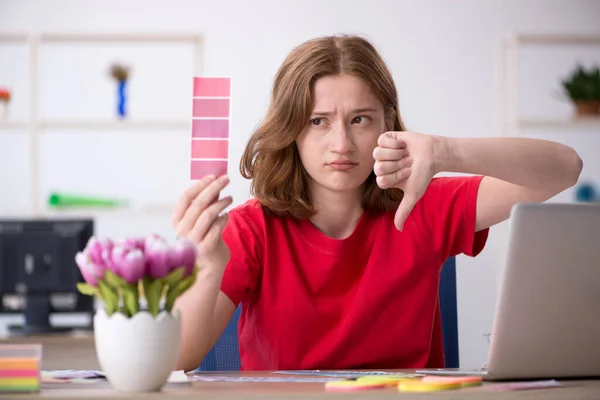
547 320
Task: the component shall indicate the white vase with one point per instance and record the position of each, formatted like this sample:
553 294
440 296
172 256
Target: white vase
137 354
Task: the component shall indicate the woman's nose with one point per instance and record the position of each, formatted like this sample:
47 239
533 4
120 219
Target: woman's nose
342 142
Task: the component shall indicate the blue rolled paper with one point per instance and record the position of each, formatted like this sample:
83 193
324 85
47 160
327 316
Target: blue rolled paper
122 95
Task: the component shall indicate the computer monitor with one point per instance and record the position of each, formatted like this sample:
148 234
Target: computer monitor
37 265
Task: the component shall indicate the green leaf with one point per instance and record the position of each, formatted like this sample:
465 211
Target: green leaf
171 297
153 291
86 289
110 297
174 276
130 300
114 280
186 284
178 290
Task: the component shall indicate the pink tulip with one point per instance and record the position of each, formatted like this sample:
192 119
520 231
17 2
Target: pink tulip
107 247
157 254
183 254
94 249
134 242
128 263
99 251
90 271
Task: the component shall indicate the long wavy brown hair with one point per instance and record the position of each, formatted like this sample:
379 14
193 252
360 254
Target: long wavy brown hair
271 158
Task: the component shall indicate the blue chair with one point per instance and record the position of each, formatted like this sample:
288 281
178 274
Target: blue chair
225 355
449 311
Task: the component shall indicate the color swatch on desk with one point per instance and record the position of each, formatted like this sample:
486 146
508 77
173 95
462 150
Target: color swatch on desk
211 121
20 368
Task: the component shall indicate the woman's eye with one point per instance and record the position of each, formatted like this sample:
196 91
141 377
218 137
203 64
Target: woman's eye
316 121
359 120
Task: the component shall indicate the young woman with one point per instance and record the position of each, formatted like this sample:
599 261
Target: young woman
336 260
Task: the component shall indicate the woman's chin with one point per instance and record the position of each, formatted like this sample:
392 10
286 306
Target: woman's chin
343 184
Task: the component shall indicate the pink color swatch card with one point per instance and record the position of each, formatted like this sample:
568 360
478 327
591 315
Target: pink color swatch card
211 121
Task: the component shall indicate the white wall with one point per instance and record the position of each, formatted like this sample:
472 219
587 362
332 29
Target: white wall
442 55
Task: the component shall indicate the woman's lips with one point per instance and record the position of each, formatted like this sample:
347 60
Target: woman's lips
342 165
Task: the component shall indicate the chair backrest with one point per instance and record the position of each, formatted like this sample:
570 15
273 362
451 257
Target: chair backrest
225 355
449 311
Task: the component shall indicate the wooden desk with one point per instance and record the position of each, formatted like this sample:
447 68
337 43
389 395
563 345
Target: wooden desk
76 351
266 390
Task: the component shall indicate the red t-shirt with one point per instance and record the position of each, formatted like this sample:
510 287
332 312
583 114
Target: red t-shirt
368 301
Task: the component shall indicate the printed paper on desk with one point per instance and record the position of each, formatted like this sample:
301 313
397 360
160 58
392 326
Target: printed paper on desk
211 122
551 383
345 374
267 379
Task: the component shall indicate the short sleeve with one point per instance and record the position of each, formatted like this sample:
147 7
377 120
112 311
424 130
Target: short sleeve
447 213
242 237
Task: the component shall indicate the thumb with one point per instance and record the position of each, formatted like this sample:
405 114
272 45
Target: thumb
406 205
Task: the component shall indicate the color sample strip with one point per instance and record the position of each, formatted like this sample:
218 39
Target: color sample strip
16 373
210 128
202 168
18 363
18 382
421 386
19 375
462 380
212 87
211 108
211 121
20 368
209 148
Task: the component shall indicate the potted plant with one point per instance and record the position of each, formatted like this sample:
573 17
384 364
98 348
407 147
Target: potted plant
136 347
583 88
4 100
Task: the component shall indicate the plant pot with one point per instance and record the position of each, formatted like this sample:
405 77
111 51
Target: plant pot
137 354
587 108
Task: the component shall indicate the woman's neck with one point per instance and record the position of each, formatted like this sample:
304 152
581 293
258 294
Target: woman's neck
338 213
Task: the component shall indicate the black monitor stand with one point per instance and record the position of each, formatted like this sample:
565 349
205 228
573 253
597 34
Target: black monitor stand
37 318
37 265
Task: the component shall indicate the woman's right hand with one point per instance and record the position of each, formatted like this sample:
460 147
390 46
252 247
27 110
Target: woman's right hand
197 217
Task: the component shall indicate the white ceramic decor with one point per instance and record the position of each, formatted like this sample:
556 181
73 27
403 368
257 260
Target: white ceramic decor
138 353
137 348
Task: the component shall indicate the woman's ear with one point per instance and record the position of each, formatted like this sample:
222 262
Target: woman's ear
390 120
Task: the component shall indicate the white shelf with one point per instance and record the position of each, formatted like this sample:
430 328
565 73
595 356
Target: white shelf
120 37
511 122
13 37
161 211
509 80
553 39
14 124
573 123
158 124
35 123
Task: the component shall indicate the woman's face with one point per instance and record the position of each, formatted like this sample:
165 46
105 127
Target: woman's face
336 147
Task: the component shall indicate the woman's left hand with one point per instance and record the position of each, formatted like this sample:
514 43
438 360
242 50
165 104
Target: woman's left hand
405 160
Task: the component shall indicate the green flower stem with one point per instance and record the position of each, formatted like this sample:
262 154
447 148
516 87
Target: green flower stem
130 300
110 297
177 290
153 291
